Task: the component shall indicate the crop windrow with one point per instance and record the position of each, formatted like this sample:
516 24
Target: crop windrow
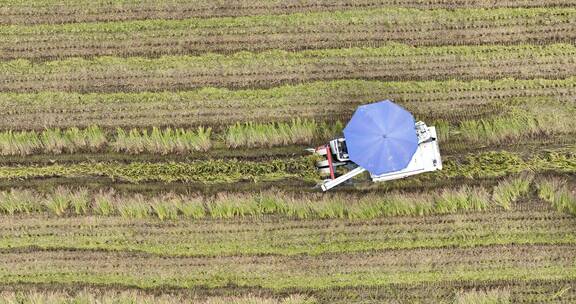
482 165
502 292
209 171
529 222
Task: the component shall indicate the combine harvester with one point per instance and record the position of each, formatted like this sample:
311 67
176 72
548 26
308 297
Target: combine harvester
384 139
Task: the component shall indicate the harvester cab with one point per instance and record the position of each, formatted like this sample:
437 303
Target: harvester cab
383 139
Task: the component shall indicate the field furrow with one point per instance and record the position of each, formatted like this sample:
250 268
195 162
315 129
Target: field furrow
48 11
244 70
372 28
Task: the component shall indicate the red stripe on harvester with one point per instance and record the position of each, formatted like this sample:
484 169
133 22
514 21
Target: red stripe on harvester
329 156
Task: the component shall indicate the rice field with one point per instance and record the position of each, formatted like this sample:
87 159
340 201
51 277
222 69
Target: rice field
154 152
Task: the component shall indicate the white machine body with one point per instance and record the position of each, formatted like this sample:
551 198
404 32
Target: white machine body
425 159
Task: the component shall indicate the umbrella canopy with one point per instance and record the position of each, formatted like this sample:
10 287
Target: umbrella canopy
381 137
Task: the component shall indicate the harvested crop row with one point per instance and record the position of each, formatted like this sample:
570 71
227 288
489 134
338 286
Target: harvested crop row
527 223
273 68
370 28
64 201
47 11
410 266
431 100
490 164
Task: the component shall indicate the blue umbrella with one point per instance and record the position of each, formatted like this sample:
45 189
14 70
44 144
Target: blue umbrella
381 137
